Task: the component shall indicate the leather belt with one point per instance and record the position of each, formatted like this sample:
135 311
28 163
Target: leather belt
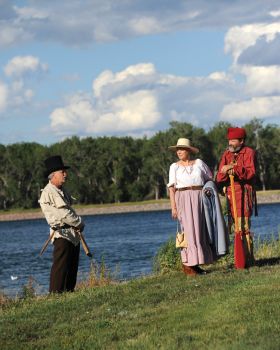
190 188
57 228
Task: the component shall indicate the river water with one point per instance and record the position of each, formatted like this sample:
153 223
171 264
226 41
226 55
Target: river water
127 241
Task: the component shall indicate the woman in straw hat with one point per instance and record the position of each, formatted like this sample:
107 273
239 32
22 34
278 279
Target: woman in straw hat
186 180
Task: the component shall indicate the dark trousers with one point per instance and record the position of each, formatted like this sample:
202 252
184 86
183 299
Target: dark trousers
65 266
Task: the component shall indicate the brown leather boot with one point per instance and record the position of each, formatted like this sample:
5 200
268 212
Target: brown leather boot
189 270
199 270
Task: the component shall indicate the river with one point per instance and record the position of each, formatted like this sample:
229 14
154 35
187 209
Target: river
128 241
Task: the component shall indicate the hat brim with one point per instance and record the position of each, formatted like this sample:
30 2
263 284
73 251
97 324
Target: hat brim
191 149
48 172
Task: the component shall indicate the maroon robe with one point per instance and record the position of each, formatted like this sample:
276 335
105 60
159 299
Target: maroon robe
244 177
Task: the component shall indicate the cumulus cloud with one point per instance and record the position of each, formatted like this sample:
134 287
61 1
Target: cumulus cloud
30 13
74 24
3 96
133 77
259 107
263 53
10 35
261 80
21 65
275 13
254 49
139 98
18 90
240 38
124 113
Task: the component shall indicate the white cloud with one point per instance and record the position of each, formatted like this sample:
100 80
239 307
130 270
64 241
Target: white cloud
133 75
139 98
133 111
28 13
261 80
259 107
239 38
10 35
120 102
260 90
20 65
275 13
145 25
28 94
77 24
221 76
3 96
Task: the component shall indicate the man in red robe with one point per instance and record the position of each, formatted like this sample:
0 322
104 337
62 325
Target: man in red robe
238 162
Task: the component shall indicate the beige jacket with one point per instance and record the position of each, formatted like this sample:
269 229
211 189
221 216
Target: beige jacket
56 206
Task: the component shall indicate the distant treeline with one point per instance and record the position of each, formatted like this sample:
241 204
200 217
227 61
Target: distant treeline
118 169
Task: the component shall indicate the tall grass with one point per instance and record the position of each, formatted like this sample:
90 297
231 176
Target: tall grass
266 249
168 257
99 275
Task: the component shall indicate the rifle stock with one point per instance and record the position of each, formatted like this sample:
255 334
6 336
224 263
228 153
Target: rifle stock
47 243
84 244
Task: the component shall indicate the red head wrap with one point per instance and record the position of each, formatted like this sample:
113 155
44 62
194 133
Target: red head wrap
236 133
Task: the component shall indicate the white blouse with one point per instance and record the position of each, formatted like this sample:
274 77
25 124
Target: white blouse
191 175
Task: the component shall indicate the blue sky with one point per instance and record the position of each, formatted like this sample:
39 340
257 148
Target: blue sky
92 68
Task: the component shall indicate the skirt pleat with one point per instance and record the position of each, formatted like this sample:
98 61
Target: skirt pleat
192 220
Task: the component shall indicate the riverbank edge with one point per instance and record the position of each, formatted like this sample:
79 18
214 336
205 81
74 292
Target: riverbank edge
263 197
139 306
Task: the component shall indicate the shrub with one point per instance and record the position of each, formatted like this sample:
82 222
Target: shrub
28 290
167 258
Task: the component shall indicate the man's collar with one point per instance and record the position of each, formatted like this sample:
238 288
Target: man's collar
55 187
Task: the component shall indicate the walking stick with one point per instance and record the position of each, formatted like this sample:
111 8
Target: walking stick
239 256
231 178
47 242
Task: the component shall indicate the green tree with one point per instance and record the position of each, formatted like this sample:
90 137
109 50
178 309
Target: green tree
265 139
217 137
23 174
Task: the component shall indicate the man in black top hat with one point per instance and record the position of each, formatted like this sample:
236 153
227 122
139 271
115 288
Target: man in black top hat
56 203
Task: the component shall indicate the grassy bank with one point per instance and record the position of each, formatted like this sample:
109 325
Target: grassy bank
226 309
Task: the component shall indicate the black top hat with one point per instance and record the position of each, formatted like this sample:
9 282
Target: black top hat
54 163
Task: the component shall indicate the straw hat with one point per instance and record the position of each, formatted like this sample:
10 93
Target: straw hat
184 143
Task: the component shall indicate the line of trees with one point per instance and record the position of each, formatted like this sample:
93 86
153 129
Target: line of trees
118 169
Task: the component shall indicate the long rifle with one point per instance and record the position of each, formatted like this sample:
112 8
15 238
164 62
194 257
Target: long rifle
82 239
47 242
84 244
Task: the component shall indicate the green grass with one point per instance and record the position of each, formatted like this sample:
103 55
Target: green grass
150 201
226 309
268 192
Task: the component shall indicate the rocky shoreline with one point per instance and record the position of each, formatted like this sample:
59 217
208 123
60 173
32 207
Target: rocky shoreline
262 198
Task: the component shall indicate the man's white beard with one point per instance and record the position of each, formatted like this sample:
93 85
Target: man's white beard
233 149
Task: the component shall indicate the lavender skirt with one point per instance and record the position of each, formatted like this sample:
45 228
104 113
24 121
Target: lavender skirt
192 220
